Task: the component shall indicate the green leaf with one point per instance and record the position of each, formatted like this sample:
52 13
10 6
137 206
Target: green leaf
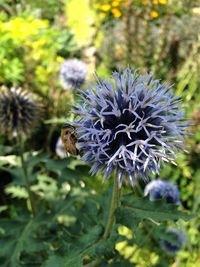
17 191
15 239
54 261
105 247
92 236
10 159
5 149
126 217
73 261
134 208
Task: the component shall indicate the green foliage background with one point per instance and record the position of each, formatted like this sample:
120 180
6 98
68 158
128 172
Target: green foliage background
72 207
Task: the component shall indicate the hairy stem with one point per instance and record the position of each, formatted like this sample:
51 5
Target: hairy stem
25 174
113 206
111 218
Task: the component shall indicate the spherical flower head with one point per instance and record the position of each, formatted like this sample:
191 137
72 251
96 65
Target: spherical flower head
19 112
174 241
159 189
60 149
73 73
130 123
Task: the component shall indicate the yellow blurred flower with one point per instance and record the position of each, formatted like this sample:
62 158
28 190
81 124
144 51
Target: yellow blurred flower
155 2
116 12
125 231
22 28
154 14
102 15
105 7
41 73
97 5
59 59
115 3
163 2
144 2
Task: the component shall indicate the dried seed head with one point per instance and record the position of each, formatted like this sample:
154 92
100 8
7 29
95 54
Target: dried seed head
19 112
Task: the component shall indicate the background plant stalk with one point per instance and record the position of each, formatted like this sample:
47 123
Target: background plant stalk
25 173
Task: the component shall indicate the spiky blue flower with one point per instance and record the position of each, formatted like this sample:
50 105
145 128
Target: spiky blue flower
159 189
73 73
174 240
131 123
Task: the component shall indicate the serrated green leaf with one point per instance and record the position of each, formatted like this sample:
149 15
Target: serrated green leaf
10 159
92 236
54 261
73 261
17 191
127 218
15 238
133 208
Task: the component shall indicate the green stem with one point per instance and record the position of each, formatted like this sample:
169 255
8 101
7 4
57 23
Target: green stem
25 174
111 218
113 206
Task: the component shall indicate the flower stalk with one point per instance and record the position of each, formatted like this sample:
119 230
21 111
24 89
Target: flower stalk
25 174
113 206
115 200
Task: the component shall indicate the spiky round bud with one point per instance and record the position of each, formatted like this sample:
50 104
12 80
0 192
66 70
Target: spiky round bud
159 189
132 124
73 73
174 240
19 112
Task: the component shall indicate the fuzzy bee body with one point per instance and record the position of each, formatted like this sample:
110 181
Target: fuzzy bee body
69 139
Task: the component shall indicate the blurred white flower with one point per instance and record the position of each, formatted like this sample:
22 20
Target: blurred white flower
60 150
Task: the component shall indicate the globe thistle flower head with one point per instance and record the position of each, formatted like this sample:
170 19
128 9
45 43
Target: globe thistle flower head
159 189
130 123
174 244
19 112
73 73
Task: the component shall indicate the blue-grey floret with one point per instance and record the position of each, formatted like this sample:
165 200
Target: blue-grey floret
174 242
73 73
158 189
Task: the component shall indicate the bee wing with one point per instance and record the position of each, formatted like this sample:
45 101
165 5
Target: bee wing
71 148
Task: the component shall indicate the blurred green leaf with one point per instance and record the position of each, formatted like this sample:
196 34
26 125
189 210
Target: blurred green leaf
134 208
